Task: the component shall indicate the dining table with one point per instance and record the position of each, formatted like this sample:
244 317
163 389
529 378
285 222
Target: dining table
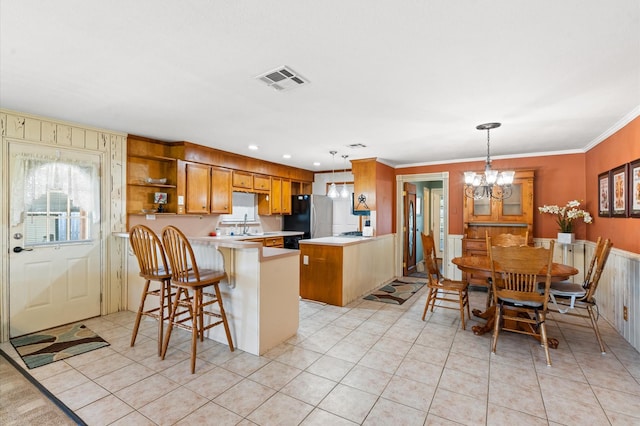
481 266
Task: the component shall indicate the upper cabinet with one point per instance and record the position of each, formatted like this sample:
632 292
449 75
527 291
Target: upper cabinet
364 185
151 179
514 212
193 179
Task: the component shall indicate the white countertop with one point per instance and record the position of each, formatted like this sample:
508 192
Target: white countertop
341 240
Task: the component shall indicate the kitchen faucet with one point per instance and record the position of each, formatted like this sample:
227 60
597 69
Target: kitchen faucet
245 230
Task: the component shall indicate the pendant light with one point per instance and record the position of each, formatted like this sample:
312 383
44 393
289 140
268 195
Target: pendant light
491 183
345 191
333 191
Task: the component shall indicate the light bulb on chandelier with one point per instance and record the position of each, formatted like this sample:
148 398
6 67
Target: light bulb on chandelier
344 193
491 183
333 190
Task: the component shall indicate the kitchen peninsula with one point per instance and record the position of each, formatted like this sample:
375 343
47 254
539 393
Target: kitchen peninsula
338 270
261 302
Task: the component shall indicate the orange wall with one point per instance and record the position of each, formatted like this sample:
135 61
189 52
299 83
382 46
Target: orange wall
559 179
620 148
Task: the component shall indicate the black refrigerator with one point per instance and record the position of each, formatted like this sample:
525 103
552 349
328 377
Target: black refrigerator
311 214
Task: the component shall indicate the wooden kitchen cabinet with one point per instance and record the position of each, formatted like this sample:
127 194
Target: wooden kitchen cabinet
276 195
198 188
242 181
286 196
261 183
140 192
513 215
364 176
278 200
221 194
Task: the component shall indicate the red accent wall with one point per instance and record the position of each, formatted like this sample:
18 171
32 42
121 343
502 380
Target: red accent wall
559 179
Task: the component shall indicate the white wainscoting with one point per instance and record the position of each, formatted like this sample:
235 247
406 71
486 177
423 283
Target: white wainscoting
619 284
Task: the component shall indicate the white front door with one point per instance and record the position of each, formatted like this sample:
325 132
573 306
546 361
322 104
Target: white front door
54 232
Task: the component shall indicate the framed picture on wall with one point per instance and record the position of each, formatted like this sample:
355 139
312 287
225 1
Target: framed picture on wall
618 179
634 188
604 203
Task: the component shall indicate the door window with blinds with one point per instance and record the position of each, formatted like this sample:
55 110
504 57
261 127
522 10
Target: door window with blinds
55 196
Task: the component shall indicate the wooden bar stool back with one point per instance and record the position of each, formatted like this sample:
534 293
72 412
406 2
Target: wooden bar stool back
153 267
191 283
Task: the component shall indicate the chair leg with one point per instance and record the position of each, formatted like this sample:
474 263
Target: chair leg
426 305
196 325
461 300
496 327
172 316
163 289
224 317
543 336
143 298
596 329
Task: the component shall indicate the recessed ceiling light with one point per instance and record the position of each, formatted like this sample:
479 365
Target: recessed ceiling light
253 147
316 163
286 156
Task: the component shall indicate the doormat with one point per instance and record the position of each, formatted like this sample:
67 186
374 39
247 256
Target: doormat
44 347
396 292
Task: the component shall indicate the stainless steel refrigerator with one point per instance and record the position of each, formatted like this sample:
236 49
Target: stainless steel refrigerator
311 214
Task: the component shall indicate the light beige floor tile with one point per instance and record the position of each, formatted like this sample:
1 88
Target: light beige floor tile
409 392
497 415
351 352
619 419
209 414
104 366
133 418
147 390
519 398
618 402
90 357
275 375
299 357
245 364
420 371
429 354
64 381
181 372
459 408
173 406
214 382
367 379
392 345
244 397
466 384
49 370
280 409
320 417
124 377
559 388
331 368
81 395
386 412
218 355
309 388
468 364
433 420
349 403
568 412
381 361
104 411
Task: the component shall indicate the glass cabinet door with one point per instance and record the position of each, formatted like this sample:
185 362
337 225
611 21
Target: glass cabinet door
482 207
512 206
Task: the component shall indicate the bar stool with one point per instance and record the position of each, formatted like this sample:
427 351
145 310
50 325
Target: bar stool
153 267
187 277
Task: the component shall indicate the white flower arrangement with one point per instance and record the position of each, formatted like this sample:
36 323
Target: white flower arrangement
567 214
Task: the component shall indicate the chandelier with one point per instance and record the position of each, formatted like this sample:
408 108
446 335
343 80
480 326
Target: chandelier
491 183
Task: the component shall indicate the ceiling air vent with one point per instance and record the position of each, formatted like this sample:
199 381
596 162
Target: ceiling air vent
283 78
356 146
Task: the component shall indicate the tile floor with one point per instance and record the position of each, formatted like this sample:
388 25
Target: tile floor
368 363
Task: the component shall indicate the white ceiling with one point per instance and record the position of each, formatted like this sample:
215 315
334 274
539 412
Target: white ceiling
409 79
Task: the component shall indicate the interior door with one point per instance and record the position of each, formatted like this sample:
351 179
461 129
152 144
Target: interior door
54 231
437 218
409 252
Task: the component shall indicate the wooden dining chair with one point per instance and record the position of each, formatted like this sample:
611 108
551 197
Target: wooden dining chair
449 293
192 303
153 266
515 273
579 299
504 240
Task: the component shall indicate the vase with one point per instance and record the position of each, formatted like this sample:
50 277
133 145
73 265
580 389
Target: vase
566 237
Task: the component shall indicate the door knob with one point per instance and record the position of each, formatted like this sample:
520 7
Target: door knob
18 249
